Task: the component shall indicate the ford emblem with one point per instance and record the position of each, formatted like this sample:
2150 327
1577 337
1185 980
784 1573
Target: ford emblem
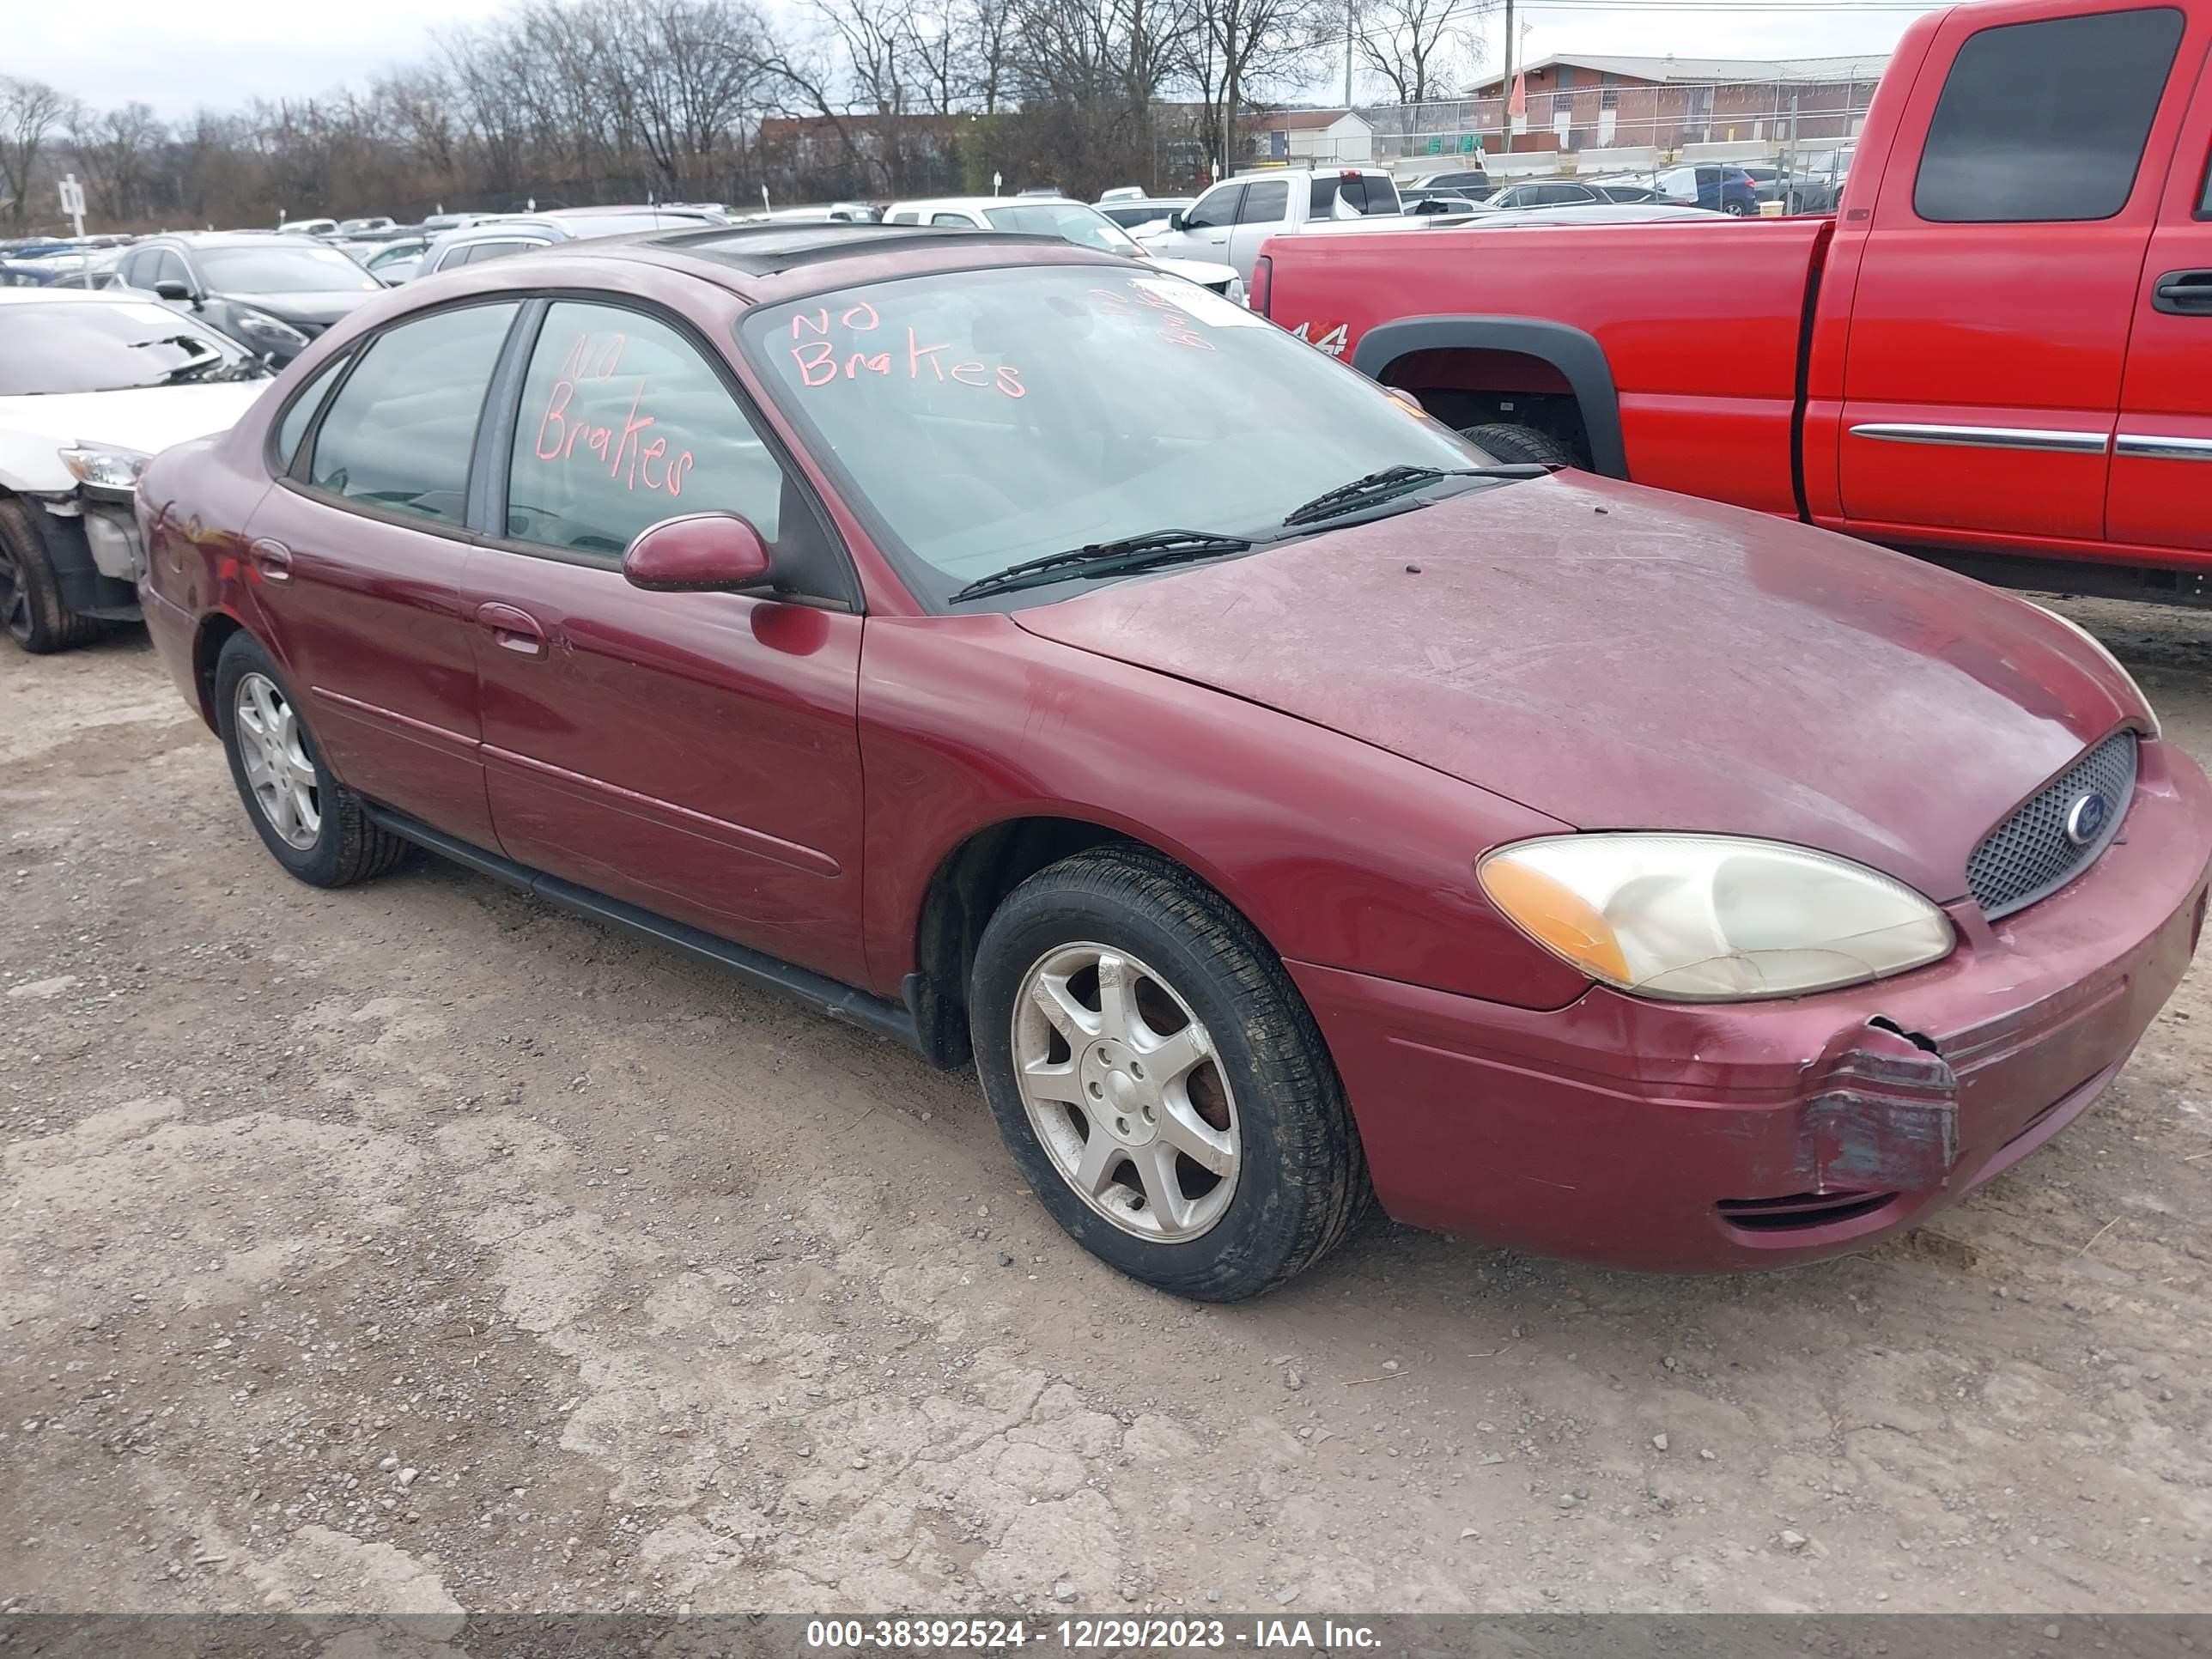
2085 818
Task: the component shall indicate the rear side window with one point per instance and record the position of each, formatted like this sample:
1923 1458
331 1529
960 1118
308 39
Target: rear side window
302 414
400 434
623 424
2044 123
1358 193
1264 203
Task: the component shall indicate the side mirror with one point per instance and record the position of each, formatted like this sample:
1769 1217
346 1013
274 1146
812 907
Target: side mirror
699 553
1175 221
170 288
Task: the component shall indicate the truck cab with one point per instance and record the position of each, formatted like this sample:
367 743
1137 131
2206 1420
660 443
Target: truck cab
1230 220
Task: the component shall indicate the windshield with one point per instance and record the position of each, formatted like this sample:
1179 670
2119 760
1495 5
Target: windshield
1069 221
307 269
980 418
47 348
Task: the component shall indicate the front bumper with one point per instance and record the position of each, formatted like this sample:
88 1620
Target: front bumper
1709 1139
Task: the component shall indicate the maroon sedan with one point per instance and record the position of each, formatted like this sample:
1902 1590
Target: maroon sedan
1025 652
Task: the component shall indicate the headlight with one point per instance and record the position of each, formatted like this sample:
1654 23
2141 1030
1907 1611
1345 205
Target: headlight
1236 295
1711 918
2118 667
105 469
269 332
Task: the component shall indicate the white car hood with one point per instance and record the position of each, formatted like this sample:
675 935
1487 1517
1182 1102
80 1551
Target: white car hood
1203 271
33 430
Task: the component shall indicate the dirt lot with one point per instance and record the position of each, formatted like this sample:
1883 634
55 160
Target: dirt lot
417 1247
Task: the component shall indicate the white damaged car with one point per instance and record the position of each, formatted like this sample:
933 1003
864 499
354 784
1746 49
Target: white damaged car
93 385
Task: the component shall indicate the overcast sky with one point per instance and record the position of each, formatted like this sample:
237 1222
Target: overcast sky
226 52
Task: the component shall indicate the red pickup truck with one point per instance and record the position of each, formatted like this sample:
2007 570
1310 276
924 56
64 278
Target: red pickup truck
1997 354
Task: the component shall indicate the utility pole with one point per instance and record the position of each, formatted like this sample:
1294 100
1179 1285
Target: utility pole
1349 16
1506 87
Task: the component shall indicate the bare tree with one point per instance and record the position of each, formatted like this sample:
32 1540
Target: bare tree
1422 50
31 112
1234 50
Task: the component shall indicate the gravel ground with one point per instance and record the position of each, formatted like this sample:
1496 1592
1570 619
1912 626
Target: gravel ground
419 1247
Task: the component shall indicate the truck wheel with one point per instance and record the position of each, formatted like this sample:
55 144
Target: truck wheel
31 607
1159 1080
312 824
1517 445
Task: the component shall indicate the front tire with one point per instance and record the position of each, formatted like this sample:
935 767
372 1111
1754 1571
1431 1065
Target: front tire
32 612
313 825
1517 445
1159 1079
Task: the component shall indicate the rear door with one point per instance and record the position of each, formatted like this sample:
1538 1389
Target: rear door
1990 321
357 559
2161 489
1264 211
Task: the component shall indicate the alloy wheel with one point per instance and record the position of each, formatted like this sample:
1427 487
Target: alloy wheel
1126 1092
14 597
279 774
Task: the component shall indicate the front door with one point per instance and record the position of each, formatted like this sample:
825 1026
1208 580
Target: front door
2162 455
1265 211
358 560
695 754
1991 321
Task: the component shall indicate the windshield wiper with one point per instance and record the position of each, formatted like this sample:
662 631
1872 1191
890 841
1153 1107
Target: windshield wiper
1098 559
1390 480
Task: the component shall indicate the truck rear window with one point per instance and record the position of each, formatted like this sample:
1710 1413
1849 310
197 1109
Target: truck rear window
2041 123
1359 193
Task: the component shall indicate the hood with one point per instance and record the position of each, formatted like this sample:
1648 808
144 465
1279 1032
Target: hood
319 309
1620 659
1204 272
148 419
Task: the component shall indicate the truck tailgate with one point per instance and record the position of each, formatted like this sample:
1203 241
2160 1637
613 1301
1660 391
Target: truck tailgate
1699 322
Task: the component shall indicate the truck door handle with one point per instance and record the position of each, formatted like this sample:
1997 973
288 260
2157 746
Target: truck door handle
272 559
511 630
2183 293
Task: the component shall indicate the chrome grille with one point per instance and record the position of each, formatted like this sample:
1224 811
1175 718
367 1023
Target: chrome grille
2030 854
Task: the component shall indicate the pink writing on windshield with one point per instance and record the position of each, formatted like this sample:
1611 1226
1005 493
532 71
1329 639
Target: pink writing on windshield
619 444
822 358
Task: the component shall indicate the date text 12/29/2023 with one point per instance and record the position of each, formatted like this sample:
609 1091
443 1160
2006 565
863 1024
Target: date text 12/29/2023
1109 1635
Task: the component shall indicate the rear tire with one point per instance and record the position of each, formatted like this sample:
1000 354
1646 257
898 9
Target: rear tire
31 609
313 825
1518 445
1233 1164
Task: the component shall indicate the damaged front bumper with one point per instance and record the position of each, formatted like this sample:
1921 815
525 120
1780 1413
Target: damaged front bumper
91 537
1717 1138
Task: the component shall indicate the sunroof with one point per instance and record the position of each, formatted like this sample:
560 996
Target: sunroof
779 246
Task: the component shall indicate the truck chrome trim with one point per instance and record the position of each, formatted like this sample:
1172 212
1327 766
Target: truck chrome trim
2144 446
1984 437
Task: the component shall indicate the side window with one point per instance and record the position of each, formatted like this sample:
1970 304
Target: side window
137 270
2204 202
400 434
302 414
909 217
622 424
2042 123
168 267
1264 203
483 251
1218 207
958 221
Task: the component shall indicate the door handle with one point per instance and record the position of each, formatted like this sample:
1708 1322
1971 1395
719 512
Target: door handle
2183 293
272 559
513 630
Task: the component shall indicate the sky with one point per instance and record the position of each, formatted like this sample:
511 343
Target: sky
223 54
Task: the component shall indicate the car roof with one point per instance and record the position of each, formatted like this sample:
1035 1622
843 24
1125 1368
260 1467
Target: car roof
227 239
